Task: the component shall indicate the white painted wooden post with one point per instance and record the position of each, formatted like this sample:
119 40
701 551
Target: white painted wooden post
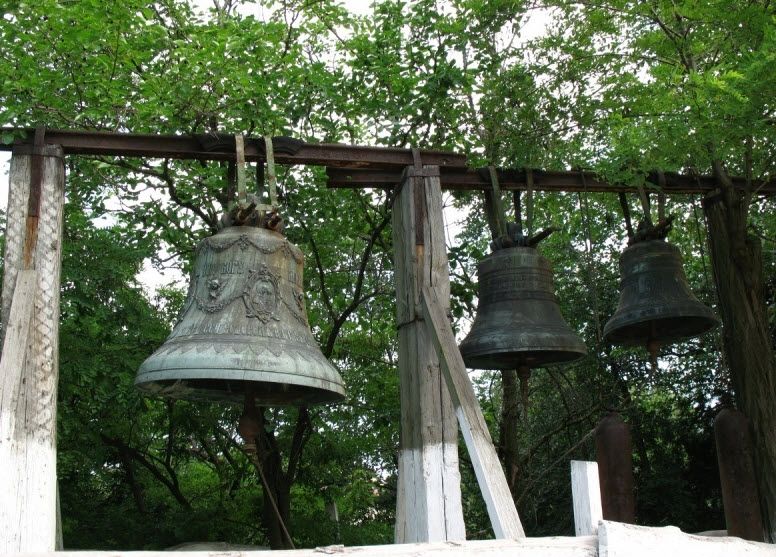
428 504
487 467
28 402
586 494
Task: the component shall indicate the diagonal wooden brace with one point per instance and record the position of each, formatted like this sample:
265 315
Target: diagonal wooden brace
490 475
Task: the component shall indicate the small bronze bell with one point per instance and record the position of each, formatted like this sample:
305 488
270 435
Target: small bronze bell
518 322
243 329
656 304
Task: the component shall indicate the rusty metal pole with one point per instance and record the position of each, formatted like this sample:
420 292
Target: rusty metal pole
736 475
615 469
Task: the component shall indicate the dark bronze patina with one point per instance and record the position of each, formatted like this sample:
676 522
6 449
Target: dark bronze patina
656 305
518 322
243 328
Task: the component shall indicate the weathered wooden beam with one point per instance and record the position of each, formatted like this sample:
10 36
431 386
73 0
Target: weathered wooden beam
17 334
454 178
586 496
222 147
616 539
487 467
28 480
428 505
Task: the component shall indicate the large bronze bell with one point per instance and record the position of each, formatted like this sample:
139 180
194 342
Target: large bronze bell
243 329
656 304
518 322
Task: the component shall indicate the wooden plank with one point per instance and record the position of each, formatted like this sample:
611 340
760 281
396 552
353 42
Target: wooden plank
17 336
617 539
28 408
586 494
429 504
18 194
490 475
526 547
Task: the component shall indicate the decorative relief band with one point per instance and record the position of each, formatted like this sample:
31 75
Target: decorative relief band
244 241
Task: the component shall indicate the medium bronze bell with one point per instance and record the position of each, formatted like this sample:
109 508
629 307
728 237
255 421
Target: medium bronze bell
243 329
656 304
518 322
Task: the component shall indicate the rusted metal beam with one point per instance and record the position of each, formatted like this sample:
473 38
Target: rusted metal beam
222 147
454 178
348 166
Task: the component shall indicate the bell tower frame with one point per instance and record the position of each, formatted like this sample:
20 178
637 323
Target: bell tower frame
435 388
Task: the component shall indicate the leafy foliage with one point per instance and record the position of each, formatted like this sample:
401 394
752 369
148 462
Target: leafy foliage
619 87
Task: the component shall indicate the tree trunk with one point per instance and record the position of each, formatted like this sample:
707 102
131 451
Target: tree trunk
280 491
276 487
737 262
510 415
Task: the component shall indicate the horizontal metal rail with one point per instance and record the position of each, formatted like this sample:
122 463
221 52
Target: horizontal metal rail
543 180
348 166
222 147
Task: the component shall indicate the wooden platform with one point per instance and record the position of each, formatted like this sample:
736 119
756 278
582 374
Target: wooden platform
613 540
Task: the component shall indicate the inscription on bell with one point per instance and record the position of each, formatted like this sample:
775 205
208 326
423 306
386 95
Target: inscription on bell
251 329
502 282
224 268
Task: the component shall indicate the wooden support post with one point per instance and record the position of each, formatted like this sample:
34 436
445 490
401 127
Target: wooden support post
737 478
615 468
586 494
28 401
428 504
490 475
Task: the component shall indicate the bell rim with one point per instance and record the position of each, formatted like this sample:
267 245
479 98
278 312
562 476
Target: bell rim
511 359
622 333
158 383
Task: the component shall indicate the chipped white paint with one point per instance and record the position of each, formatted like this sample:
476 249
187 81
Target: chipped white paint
487 467
28 403
586 494
616 539
428 506
526 547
